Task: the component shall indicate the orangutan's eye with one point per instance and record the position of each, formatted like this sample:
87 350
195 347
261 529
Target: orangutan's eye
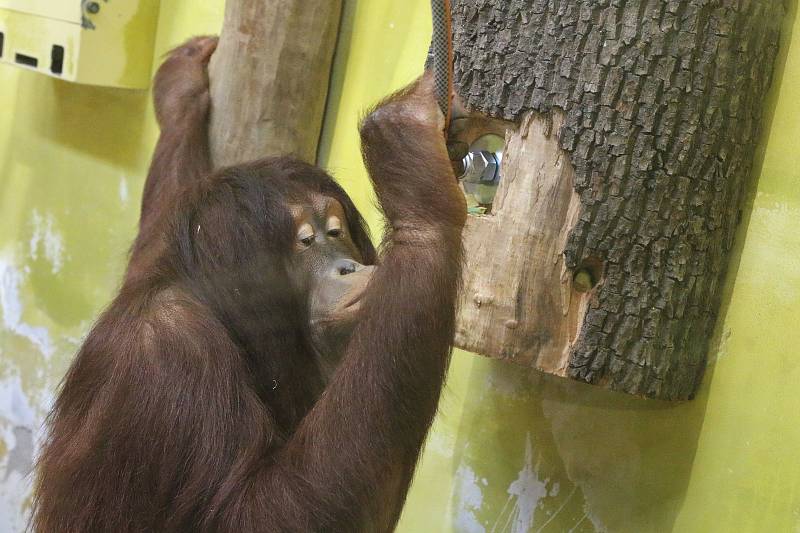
306 234
334 226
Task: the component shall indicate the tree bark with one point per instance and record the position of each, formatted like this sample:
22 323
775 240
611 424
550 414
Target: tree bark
656 107
269 78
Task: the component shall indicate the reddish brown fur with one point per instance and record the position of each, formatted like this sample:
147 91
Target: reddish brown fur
167 420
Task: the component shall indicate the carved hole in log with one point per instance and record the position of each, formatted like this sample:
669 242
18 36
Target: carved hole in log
475 145
588 274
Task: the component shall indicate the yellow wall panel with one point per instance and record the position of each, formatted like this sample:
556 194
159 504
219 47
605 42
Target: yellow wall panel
112 47
66 10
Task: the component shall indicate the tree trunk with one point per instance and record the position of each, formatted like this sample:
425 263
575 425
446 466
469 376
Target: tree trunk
269 78
604 255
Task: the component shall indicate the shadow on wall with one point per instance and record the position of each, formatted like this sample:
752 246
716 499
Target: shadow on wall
770 103
593 459
105 124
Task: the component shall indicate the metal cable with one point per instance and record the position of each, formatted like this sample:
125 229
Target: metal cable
442 50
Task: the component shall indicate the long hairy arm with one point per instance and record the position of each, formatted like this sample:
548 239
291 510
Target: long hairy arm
181 156
349 464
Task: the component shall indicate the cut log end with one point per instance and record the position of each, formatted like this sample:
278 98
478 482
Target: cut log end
524 304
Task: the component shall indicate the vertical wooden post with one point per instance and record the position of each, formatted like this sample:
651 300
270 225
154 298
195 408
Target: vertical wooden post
269 78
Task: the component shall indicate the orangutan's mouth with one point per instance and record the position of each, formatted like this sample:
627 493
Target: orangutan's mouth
354 300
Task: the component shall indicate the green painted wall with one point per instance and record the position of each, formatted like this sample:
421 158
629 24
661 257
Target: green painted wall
511 450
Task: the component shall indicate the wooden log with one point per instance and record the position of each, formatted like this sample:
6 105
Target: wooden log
634 196
269 78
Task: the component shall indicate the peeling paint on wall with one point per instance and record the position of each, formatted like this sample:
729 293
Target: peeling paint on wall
19 435
124 195
527 490
524 495
20 456
48 239
27 382
11 309
470 498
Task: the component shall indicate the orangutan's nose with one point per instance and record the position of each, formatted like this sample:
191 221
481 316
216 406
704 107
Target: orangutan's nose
343 267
